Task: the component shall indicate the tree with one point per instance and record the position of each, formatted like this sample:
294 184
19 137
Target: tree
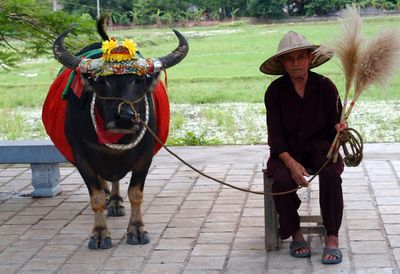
266 8
159 11
322 7
28 29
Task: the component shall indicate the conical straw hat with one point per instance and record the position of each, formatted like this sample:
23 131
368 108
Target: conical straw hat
291 41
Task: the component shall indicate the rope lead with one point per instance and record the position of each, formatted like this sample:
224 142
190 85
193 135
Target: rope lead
352 159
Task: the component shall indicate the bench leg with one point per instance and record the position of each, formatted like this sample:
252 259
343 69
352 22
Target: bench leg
45 180
272 239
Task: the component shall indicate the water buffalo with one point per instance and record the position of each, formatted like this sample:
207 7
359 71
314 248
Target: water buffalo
115 99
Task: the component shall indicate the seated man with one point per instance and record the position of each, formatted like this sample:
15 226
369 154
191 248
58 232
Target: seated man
303 115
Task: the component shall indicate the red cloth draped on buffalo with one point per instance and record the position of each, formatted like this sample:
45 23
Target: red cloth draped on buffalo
54 108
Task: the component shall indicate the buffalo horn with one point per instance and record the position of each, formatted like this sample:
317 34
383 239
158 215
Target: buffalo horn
62 54
100 28
178 54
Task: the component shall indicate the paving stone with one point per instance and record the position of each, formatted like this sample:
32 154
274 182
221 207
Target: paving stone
8 268
215 238
253 268
50 251
387 192
39 234
248 256
13 207
80 268
225 217
6 215
389 209
219 227
250 232
123 263
15 257
226 209
192 213
365 235
61 215
183 232
24 220
44 264
186 222
210 250
175 244
85 256
392 228
157 218
168 256
358 205
69 239
361 214
388 200
369 247
372 270
162 268
249 243
190 271
363 224
13 229
371 260
204 263
125 250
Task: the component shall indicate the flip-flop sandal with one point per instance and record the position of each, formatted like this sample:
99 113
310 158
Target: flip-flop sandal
296 246
335 252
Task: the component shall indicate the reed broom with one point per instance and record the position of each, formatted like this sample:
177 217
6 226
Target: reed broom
365 62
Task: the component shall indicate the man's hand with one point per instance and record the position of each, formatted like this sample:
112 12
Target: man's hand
340 128
296 169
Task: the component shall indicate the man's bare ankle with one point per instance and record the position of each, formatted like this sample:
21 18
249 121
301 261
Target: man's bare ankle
298 236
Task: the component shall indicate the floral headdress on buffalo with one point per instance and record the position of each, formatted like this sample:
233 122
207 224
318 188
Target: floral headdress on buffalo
119 58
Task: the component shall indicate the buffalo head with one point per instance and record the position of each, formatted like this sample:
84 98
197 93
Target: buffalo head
118 85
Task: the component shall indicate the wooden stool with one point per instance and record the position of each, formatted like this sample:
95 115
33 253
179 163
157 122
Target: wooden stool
272 239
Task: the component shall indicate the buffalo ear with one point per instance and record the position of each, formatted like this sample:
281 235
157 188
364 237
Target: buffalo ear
150 78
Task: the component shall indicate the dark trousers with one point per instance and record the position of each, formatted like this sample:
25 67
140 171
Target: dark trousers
330 189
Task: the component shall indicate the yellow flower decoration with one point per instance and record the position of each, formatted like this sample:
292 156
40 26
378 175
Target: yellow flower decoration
131 46
108 46
113 51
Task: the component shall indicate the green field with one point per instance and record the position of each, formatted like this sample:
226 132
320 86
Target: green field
222 65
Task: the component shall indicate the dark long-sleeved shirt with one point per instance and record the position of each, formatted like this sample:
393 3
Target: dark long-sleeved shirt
293 121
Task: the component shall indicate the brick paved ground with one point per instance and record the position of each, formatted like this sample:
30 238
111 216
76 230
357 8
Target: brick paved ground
197 225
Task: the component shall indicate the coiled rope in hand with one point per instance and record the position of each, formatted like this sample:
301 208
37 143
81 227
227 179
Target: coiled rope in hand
352 146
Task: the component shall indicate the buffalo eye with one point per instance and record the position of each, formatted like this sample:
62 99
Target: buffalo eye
135 80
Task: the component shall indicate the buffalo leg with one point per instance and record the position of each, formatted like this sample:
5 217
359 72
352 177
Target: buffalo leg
137 233
114 206
100 234
104 185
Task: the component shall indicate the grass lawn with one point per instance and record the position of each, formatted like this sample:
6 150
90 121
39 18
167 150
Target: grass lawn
222 65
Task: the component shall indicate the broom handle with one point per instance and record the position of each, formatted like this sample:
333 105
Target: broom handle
334 149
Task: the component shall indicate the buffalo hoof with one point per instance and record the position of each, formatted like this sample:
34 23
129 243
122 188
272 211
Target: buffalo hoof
139 239
115 211
115 207
100 243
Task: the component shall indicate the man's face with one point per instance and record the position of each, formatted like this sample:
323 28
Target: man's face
297 63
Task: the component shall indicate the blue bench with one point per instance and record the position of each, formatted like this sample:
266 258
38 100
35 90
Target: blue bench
44 159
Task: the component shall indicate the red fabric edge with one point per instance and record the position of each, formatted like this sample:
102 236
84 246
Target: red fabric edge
162 114
53 115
